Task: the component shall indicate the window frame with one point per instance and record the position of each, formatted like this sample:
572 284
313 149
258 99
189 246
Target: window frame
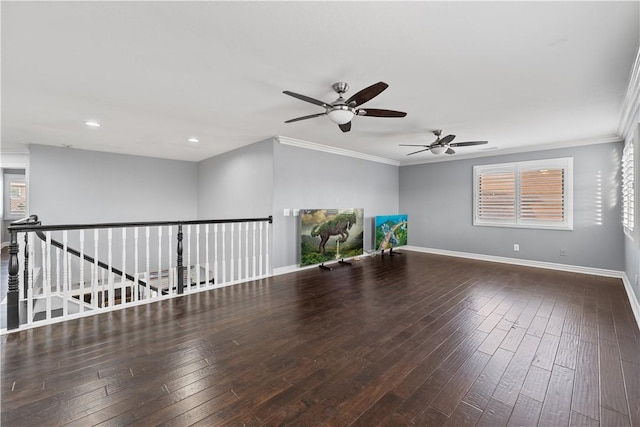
565 163
9 179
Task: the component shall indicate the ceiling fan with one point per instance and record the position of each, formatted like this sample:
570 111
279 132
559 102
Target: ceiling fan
341 111
442 145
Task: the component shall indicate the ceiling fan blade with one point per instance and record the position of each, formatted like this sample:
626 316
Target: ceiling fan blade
297 119
345 127
375 112
307 99
419 151
447 139
367 94
413 145
450 151
466 144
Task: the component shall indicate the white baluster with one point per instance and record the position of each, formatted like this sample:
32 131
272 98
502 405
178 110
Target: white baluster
224 254
246 250
147 291
239 250
69 279
170 267
49 283
260 269
94 280
32 262
232 255
159 261
266 249
197 265
254 261
206 253
215 254
123 278
103 288
188 266
135 287
110 276
58 271
65 274
81 281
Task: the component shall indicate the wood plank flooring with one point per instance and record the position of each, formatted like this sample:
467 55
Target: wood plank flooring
413 339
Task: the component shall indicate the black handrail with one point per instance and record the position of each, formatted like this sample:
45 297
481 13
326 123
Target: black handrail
20 227
31 224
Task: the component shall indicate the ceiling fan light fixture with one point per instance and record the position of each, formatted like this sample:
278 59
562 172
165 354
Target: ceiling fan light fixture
439 149
341 115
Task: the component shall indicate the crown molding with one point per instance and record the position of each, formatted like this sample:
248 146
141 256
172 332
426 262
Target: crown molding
527 149
631 106
285 140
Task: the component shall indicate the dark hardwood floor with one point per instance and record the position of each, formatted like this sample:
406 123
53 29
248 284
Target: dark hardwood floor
415 339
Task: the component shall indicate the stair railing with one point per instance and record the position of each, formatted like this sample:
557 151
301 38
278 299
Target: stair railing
217 253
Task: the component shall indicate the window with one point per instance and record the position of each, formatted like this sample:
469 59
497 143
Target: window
535 194
628 188
15 196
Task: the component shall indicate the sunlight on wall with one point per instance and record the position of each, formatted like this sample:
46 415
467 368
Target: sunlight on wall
615 179
597 199
589 213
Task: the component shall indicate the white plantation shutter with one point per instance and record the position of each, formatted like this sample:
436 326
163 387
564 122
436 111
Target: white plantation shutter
542 195
496 196
628 188
535 194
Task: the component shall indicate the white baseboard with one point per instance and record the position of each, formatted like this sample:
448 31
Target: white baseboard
633 300
523 262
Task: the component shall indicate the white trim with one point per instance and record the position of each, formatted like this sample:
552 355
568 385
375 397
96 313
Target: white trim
524 262
296 267
631 106
15 160
515 170
291 269
285 140
633 300
516 150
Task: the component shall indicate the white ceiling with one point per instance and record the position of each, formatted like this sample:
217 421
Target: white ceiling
518 74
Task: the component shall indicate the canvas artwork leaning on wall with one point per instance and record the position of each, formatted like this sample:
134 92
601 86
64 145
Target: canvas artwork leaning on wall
330 234
391 231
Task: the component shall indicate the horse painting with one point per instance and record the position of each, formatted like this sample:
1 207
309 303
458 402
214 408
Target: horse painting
339 226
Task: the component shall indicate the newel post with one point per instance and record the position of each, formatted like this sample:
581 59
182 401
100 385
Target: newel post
180 268
26 263
13 316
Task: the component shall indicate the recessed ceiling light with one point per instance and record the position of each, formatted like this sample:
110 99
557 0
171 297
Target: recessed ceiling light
194 140
92 123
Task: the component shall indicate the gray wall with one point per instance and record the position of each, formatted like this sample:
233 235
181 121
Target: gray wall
237 184
438 197
78 186
310 179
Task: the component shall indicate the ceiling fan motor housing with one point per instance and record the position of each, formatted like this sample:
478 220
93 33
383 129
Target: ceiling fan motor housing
340 87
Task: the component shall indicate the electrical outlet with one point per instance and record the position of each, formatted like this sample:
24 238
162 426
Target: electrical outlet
287 212
563 252
516 247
